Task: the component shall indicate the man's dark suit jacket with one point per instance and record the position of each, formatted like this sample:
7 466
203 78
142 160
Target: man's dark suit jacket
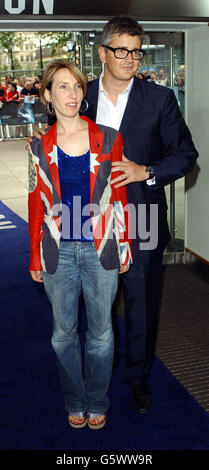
154 133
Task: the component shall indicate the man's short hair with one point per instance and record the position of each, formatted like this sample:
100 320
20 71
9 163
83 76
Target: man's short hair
121 25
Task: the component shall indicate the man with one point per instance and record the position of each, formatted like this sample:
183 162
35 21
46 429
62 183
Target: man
29 90
8 80
158 149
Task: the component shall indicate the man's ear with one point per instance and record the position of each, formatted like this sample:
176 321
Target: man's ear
102 54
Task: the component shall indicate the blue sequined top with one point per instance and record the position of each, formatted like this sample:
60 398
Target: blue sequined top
74 174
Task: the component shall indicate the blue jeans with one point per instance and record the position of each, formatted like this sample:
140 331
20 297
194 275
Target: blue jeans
80 268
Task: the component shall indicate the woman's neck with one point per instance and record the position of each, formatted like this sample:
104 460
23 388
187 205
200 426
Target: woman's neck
68 126
73 135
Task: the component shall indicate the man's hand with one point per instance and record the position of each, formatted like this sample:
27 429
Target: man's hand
36 276
38 134
124 268
131 172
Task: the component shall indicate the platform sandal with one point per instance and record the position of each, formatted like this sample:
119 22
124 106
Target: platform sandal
77 419
96 421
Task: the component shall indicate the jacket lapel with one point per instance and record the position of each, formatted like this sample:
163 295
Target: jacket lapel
132 108
50 151
92 99
96 143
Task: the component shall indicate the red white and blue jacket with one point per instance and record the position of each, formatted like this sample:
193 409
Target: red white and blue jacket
110 221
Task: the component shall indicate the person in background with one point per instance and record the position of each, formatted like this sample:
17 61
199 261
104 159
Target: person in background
37 86
12 94
3 92
70 253
162 79
144 73
180 79
154 78
20 84
29 90
90 76
8 80
140 75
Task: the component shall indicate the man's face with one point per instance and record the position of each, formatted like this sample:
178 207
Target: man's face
121 69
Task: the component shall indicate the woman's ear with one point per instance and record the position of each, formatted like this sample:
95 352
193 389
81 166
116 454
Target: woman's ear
47 95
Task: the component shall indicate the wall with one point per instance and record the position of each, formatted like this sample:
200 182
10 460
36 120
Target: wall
197 115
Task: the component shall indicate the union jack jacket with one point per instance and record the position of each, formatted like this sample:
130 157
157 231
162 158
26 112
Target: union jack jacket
110 218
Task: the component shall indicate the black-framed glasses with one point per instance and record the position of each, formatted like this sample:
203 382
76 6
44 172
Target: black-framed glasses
122 52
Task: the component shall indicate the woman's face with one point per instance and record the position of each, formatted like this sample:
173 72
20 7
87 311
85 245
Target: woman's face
66 94
11 88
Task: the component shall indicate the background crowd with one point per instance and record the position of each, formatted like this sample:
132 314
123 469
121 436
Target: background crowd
18 88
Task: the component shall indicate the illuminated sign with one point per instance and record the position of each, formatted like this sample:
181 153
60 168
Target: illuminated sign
139 9
34 7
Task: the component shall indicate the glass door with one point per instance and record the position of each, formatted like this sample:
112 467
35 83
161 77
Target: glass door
164 65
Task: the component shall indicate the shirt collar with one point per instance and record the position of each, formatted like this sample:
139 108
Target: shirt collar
124 92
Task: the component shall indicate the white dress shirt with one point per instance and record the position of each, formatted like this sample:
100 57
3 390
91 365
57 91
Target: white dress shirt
109 114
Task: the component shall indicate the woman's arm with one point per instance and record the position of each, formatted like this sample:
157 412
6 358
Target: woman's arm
35 213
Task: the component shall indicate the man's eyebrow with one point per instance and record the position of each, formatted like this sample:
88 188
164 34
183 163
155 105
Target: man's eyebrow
125 47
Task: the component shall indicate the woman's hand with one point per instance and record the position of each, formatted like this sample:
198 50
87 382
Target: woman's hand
124 268
36 276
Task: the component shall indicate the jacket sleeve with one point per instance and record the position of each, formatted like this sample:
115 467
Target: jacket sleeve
180 152
121 210
35 212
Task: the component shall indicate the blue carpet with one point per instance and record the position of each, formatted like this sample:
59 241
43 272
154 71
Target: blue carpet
32 410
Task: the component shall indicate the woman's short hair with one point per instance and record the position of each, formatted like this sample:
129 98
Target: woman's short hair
121 25
52 68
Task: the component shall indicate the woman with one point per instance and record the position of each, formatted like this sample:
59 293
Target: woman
154 78
12 94
79 240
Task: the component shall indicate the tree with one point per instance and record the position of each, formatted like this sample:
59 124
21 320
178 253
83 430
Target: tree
8 40
57 40
16 63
